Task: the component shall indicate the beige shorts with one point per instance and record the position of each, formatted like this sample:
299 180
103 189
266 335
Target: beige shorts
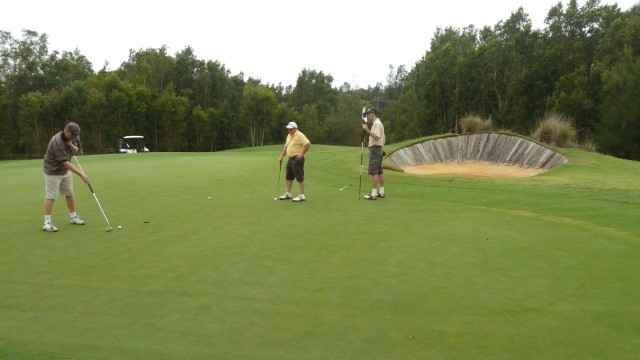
62 184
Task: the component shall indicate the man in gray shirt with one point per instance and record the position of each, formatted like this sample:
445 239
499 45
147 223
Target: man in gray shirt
57 169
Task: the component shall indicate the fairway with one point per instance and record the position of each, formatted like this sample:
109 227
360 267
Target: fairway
208 266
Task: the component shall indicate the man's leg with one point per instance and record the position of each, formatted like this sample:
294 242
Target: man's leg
71 203
52 184
48 206
300 197
289 180
298 171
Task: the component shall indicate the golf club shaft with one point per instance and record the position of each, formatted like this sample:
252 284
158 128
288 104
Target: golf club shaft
279 175
99 206
80 166
94 194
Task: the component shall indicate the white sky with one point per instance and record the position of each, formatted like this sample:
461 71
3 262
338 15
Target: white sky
353 40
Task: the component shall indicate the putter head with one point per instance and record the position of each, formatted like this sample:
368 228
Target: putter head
109 229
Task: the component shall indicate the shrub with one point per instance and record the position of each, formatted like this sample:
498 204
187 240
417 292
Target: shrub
555 130
588 145
473 124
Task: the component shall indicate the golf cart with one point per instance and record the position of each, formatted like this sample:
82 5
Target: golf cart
123 146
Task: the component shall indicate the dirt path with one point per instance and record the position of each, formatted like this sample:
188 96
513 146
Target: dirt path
474 169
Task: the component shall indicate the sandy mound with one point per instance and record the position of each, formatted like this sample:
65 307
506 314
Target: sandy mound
474 169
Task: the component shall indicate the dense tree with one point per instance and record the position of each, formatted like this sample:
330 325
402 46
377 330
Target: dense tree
283 115
435 78
574 38
258 112
22 62
169 130
582 65
619 132
73 101
7 143
21 71
314 96
151 69
405 113
344 124
206 125
69 67
31 122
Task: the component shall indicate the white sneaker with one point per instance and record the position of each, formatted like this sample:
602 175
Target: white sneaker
49 227
76 221
299 198
286 196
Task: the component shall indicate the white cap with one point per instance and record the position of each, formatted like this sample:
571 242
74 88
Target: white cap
292 125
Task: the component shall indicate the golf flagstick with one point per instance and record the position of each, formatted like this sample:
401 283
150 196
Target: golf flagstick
364 121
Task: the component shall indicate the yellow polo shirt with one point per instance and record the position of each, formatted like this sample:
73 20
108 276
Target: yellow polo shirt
295 143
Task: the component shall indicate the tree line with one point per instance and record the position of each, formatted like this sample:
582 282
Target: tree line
585 64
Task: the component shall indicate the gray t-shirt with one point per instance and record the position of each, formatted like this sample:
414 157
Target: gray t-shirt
57 154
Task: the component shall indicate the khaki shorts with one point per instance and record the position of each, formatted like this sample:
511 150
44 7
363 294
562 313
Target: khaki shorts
55 184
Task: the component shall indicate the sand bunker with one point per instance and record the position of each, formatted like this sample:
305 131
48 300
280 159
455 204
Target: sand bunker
474 169
477 155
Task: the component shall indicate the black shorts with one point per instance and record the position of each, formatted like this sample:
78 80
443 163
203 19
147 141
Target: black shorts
295 169
375 160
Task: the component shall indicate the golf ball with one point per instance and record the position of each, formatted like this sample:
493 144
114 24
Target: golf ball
209 197
119 226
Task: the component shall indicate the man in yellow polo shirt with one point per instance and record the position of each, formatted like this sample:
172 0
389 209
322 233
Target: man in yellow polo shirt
295 147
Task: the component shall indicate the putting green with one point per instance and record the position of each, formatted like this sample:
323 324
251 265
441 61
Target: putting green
444 267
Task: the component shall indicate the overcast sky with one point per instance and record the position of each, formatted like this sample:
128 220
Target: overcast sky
353 40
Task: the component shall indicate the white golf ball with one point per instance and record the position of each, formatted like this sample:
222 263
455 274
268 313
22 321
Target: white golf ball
119 226
209 197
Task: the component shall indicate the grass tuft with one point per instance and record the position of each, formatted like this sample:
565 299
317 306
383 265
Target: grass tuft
474 124
555 130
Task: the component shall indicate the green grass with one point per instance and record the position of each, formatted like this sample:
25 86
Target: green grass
443 268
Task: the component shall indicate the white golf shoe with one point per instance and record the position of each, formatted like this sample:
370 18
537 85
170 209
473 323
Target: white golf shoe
49 227
286 196
299 198
76 221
